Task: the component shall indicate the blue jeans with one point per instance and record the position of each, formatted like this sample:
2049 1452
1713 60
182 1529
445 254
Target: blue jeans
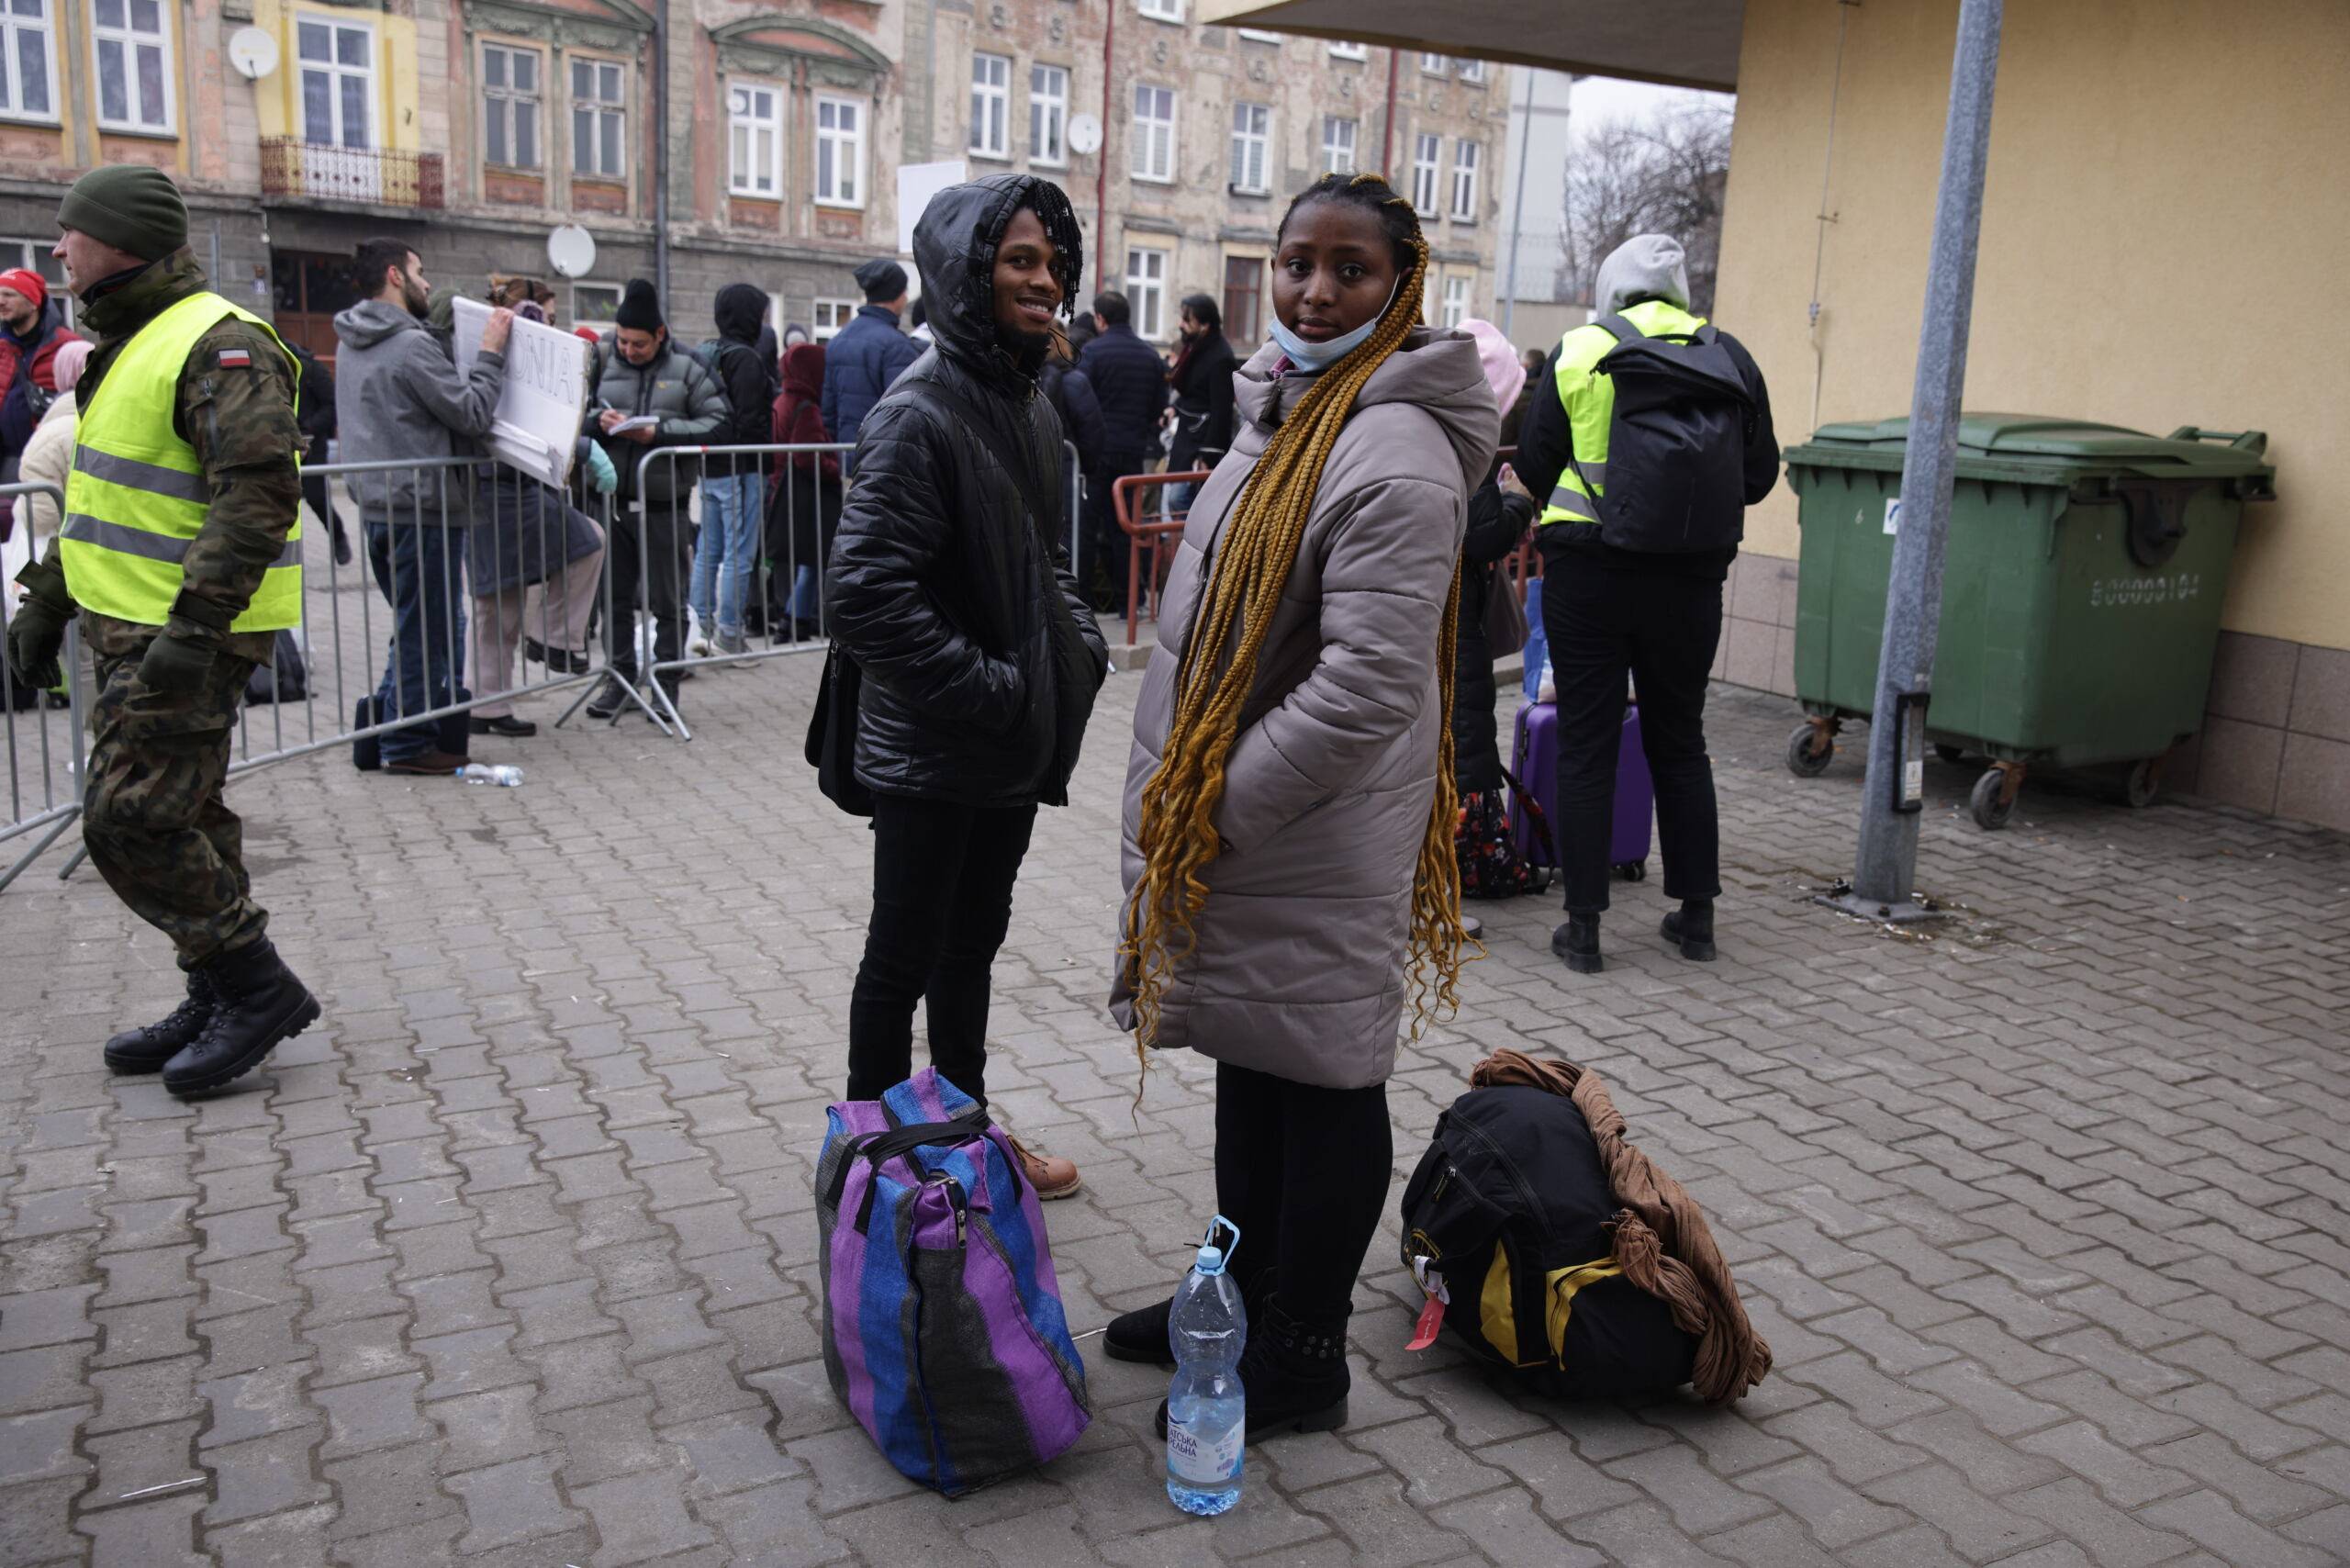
726 556
421 572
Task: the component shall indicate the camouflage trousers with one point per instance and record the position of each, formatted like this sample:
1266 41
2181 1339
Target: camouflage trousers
152 809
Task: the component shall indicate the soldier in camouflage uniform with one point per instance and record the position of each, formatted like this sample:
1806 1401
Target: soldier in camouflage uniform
181 549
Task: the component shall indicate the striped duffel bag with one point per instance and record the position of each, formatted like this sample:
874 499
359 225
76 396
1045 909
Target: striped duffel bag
944 1333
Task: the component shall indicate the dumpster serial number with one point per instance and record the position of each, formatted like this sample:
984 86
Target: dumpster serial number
2128 592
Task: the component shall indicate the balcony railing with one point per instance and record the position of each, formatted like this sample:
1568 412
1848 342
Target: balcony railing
371 175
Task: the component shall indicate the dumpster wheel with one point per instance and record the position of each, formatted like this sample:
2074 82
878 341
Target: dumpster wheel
1812 748
2145 783
1632 870
1993 800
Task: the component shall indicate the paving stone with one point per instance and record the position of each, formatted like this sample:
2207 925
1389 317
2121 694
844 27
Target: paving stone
510 1503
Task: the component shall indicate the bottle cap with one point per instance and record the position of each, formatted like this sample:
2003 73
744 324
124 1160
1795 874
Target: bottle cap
1211 1260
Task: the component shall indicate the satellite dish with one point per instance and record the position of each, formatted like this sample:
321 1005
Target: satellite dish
1084 134
254 52
571 249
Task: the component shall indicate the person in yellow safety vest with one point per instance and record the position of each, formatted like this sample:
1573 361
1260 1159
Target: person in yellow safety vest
181 547
1633 585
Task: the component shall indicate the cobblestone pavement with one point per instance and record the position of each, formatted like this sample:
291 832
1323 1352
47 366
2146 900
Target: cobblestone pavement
509 1261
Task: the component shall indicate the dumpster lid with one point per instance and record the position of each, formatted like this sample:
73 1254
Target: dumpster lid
2060 448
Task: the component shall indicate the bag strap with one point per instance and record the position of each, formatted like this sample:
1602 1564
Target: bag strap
879 1149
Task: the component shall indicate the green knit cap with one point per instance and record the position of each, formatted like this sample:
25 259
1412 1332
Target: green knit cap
128 206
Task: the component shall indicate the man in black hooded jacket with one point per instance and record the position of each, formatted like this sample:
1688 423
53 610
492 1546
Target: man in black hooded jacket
981 661
734 490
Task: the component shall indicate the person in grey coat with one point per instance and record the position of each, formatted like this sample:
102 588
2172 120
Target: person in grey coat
1318 827
398 397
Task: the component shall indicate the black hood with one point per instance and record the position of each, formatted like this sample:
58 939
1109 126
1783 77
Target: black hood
741 311
954 246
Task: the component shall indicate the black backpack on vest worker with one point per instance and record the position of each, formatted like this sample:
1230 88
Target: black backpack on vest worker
1676 443
1506 1222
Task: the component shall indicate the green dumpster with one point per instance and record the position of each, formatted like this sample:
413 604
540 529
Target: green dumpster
2082 582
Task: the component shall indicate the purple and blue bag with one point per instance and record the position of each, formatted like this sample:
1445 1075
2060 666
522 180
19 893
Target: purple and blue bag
944 1333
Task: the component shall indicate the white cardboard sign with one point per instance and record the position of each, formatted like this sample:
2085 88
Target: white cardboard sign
917 182
537 423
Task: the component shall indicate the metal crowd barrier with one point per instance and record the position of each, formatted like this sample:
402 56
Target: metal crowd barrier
43 730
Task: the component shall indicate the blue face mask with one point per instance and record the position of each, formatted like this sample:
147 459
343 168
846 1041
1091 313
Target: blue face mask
1310 356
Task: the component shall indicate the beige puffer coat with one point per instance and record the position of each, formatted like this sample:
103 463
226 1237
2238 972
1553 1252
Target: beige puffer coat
1299 967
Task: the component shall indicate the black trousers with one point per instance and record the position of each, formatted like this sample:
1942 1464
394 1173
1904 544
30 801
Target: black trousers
658 568
1106 543
1660 627
1304 1172
942 902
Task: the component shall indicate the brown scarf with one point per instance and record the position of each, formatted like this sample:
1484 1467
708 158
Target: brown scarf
1663 1243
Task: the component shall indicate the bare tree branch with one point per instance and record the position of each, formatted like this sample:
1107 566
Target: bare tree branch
1666 175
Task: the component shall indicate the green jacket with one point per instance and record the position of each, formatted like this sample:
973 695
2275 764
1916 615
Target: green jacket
240 420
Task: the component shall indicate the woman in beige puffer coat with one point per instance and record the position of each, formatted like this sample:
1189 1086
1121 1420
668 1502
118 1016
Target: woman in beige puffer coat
1328 881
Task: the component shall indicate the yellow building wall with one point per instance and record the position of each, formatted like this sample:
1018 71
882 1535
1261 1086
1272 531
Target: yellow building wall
2165 224
278 104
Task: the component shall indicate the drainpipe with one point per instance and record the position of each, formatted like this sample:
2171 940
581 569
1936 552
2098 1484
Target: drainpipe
1517 208
1387 130
1101 169
660 118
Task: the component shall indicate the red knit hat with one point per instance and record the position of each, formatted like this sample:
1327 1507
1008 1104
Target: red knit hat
27 284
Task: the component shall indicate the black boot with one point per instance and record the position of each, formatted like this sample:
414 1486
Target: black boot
1141 1335
1578 943
609 698
1691 929
260 1003
147 1049
1293 1374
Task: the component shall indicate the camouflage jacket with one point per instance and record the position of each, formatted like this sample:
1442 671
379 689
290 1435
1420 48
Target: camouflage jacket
239 418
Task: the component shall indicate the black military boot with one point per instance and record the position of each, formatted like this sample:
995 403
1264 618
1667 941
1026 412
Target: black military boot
1691 929
1293 1374
260 1004
1578 943
148 1047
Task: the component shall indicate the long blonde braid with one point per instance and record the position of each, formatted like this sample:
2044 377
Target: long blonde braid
1177 829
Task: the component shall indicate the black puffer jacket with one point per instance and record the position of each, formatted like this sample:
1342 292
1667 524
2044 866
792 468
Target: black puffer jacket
936 584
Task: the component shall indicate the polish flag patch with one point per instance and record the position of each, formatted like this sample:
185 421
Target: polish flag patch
235 359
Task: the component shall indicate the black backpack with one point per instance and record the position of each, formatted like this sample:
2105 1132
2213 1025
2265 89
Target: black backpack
1509 1216
1675 481
753 426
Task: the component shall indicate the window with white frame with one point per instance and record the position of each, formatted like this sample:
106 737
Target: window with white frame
1472 72
594 304
27 60
1146 289
599 118
1455 301
1153 143
1341 49
1161 10
840 152
1426 150
1252 128
35 257
1465 154
338 61
754 139
1338 145
991 105
509 107
132 43
1434 64
831 315
1048 114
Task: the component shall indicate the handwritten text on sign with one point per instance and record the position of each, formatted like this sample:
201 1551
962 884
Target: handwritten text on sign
537 423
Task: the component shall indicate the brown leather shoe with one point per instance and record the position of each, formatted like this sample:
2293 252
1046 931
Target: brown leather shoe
1052 1176
436 762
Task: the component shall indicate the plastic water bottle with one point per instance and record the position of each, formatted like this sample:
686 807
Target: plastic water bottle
501 773
1207 1414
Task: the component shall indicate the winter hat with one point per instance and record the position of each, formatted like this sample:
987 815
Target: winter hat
27 284
65 364
1504 372
1645 266
588 334
882 280
130 206
640 309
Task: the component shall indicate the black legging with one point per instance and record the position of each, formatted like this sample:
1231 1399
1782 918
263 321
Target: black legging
942 902
1304 1172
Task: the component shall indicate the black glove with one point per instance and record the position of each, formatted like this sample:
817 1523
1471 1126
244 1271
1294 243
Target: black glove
35 633
174 666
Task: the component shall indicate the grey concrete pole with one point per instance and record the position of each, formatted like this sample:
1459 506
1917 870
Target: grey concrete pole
1517 206
1885 878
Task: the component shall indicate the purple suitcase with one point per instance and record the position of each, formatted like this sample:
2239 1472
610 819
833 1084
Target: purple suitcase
1533 764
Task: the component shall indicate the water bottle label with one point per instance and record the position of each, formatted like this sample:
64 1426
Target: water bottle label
1203 1465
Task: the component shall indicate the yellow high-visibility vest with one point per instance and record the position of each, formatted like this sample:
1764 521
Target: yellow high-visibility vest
1589 398
137 496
